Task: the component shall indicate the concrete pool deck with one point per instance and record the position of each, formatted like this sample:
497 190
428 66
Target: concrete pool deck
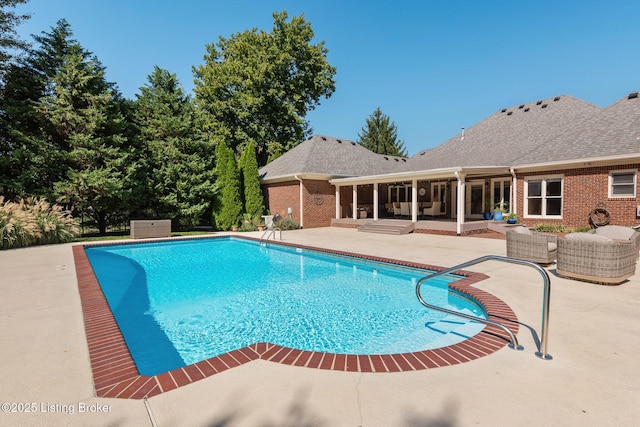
593 378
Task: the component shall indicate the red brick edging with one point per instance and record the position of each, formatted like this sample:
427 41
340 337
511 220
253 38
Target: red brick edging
115 373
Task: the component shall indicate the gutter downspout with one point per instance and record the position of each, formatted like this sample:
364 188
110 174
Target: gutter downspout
514 186
301 203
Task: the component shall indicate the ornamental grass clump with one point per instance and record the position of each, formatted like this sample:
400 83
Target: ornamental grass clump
56 226
32 222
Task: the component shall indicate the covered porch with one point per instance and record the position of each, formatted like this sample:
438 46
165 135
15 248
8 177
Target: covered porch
447 201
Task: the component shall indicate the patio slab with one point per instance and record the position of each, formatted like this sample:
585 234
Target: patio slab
592 380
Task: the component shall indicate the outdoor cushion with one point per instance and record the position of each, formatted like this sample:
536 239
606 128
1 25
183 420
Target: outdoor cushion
522 230
615 232
588 237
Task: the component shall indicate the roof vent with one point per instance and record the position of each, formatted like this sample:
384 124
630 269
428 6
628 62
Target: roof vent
521 107
557 98
503 110
544 106
526 109
339 141
323 138
396 160
404 160
353 143
423 153
539 102
509 113
386 158
633 95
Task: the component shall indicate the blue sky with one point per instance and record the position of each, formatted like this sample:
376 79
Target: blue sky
432 66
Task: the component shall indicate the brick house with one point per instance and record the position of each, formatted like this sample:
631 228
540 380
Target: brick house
549 161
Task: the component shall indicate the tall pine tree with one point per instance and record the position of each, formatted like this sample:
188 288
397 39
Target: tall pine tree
381 136
179 161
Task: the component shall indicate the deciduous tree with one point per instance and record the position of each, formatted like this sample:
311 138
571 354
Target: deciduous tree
259 86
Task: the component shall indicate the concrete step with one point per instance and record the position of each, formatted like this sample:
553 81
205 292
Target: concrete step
386 228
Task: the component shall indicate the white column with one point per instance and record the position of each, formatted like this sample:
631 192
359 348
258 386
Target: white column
460 204
514 193
354 202
375 201
337 201
414 200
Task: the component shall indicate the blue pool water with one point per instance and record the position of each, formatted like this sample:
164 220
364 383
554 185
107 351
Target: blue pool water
177 303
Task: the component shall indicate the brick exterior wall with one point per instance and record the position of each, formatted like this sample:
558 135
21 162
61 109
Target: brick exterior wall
281 196
584 190
319 205
319 201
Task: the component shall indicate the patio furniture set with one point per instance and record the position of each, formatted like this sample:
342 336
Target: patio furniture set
605 255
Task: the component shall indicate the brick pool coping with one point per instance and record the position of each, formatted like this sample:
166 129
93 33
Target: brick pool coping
115 374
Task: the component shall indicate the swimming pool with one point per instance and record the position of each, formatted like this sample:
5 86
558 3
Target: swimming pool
226 293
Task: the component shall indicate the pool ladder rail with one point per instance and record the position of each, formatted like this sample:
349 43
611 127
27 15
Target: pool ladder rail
270 232
542 353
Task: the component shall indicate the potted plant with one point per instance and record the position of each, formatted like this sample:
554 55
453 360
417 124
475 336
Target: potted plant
512 218
498 210
487 210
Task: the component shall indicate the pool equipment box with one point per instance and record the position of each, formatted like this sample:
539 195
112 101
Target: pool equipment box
149 228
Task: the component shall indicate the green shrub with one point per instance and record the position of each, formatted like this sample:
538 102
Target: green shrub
552 228
287 224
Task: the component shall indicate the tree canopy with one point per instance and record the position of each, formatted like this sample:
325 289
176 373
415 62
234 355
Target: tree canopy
259 86
381 136
67 134
9 41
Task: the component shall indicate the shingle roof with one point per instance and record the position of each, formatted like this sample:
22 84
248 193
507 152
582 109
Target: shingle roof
613 131
562 128
334 157
509 134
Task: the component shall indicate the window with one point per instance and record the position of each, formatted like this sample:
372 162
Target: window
543 197
623 183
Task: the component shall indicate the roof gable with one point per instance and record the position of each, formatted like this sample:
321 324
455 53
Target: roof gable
322 155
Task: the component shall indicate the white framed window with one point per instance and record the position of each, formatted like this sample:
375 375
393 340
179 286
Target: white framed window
543 196
623 183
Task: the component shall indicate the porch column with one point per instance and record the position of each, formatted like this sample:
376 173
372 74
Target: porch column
514 192
337 201
460 203
375 201
414 200
354 202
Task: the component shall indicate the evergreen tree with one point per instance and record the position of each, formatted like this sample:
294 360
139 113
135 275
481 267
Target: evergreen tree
259 86
64 134
253 199
229 209
380 136
86 122
180 168
9 42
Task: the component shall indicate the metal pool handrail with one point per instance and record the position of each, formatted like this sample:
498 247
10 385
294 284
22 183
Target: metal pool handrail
545 299
270 232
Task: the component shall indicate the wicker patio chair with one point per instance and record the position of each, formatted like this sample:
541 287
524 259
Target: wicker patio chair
596 258
523 243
